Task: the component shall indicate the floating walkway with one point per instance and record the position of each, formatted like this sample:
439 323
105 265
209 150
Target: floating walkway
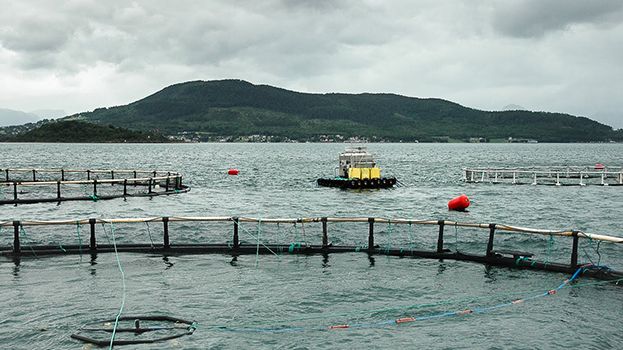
555 176
313 243
22 186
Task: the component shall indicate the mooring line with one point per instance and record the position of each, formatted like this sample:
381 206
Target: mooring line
114 330
256 237
460 312
151 241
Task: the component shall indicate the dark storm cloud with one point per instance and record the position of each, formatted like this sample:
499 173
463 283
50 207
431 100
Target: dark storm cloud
535 18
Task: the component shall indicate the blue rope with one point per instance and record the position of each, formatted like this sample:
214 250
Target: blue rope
385 323
254 236
114 330
23 233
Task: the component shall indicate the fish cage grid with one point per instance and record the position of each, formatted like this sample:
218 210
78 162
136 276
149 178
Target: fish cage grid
24 186
382 236
557 176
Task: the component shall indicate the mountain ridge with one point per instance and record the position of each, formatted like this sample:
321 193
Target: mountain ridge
235 108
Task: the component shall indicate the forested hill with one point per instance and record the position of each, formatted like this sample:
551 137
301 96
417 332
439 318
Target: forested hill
232 108
78 131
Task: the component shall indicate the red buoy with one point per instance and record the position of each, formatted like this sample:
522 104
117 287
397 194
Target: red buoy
459 203
232 172
599 166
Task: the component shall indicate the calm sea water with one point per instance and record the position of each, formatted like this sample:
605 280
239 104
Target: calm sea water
46 299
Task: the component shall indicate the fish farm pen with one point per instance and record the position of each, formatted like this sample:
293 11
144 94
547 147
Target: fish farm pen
23 186
556 176
490 244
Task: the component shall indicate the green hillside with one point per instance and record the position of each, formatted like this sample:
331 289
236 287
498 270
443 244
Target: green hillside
238 108
78 131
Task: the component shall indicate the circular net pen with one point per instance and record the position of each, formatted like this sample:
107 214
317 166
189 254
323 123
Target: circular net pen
130 330
489 244
24 186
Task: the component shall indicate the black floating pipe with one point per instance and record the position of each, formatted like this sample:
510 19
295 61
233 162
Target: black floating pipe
93 243
574 250
236 238
165 222
441 224
491 236
16 247
371 234
325 233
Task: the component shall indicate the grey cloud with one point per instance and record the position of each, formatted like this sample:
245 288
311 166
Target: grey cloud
35 35
535 18
455 49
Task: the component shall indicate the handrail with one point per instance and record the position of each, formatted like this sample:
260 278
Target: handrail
82 182
94 171
501 227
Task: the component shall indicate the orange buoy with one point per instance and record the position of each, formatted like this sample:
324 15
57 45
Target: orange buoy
233 172
459 203
599 166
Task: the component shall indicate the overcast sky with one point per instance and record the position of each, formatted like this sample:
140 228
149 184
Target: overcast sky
559 55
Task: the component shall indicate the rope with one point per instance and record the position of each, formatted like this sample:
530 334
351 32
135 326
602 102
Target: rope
297 239
253 236
149 233
385 323
114 330
590 242
389 236
23 233
105 233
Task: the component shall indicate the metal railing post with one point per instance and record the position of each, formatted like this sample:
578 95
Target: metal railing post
491 236
371 234
165 222
441 224
92 242
16 246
